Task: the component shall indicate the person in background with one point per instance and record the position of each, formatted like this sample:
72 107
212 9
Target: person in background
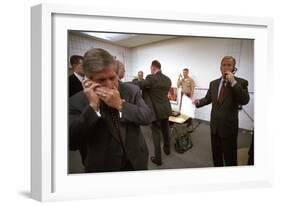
186 83
155 90
75 80
225 94
105 118
139 78
120 69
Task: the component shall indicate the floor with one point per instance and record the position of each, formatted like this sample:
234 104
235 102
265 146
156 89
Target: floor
197 157
200 154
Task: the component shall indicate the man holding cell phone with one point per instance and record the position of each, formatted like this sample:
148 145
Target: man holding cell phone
225 94
105 118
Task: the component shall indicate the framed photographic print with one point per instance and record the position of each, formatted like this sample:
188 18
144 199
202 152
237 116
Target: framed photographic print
176 40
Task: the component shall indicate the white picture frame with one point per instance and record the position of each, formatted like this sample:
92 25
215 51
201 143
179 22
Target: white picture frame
49 178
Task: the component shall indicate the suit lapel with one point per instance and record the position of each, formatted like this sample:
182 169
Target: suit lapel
124 95
76 82
123 92
106 114
226 91
216 89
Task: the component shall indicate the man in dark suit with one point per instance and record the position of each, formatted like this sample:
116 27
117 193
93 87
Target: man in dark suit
105 118
155 90
75 80
139 78
226 95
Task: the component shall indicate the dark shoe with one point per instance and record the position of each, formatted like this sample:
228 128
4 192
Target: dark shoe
167 150
190 130
156 161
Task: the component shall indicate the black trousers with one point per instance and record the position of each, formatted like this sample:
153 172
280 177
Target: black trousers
160 128
224 150
251 152
127 166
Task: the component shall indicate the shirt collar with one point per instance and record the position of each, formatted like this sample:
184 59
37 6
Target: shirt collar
81 78
221 81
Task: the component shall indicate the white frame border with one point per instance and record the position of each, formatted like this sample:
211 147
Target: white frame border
42 155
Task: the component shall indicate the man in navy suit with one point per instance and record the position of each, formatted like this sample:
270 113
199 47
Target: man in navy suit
75 80
226 95
155 90
105 118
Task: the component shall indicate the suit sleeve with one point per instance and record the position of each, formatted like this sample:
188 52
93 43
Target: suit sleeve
80 122
241 93
136 112
147 83
207 99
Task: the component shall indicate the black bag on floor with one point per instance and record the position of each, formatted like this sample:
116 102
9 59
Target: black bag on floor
182 138
183 143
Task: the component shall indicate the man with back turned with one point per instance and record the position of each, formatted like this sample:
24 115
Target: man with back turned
155 90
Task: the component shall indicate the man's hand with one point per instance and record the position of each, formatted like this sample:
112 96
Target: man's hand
111 97
229 76
195 101
180 76
89 90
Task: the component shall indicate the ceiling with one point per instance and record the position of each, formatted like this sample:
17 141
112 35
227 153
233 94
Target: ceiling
127 40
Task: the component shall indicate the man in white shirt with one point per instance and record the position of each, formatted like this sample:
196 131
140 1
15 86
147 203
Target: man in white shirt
75 80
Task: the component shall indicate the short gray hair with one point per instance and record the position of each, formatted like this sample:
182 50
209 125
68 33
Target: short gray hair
96 60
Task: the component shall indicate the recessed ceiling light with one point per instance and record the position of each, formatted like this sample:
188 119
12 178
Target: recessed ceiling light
109 36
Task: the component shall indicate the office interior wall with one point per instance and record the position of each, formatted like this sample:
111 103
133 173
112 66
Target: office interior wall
201 55
79 44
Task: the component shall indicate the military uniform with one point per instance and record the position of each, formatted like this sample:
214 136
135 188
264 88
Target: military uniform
187 85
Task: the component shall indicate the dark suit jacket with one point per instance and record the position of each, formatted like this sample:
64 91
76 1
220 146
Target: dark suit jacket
74 85
224 117
98 135
135 81
155 90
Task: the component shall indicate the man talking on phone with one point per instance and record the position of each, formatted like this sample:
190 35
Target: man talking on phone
105 118
225 94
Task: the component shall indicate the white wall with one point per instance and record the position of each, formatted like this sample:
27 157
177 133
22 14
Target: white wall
202 56
78 45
